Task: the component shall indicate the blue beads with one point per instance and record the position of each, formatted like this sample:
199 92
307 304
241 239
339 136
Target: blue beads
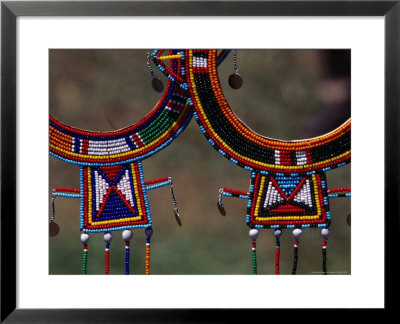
127 260
66 195
158 185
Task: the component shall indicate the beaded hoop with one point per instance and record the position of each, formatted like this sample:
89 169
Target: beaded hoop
288 185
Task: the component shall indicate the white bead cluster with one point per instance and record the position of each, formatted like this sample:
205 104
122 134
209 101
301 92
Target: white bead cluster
124 186
304 194
101 187
111 147
199 62
272 196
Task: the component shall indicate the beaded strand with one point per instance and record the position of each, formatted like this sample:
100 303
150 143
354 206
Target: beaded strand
127 244
253 233
107 238
325 234
127 236
84 261
296 233
84 239
149 233
107 259
277 234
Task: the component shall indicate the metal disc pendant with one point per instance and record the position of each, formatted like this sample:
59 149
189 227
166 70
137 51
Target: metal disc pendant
348 219
235 81
157 84
54 229
177 217
221 209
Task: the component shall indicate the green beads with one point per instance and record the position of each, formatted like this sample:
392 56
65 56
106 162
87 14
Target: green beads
254 257
84 262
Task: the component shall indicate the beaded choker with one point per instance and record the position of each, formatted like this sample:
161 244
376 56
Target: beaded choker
113 190
288 184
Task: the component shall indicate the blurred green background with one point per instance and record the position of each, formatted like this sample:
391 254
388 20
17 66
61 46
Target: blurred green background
287 94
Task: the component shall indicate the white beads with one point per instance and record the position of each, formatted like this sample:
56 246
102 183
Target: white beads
127 235
277 233
253 233
85 238
108 237
325 233
297 233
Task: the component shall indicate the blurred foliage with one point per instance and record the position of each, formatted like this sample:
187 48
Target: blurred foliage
287 94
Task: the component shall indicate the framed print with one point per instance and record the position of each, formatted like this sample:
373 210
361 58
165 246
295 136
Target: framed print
94 66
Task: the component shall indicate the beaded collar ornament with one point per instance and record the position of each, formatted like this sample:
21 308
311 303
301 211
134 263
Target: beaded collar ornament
288 186
113 191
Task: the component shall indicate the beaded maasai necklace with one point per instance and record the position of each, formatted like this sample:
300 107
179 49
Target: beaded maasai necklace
113 190
288 186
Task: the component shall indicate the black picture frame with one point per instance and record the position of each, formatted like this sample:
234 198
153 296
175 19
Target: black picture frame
10 10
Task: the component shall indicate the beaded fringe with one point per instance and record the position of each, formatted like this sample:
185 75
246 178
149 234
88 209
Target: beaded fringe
295 256
127 257
254 256
107 259
84 259
324 270
277 254
147 262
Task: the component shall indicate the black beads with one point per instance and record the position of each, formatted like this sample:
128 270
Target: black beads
324 269
157 84
235 81
54 229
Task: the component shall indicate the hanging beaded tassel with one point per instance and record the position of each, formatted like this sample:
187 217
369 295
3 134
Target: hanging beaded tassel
296 233
277 234
127 236
235 80
253 233
156 83
84 239
149 233
325 234
107 238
